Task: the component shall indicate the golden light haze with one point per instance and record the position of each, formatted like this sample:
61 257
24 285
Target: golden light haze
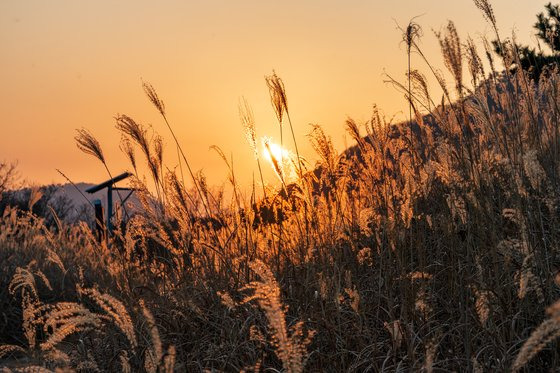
69 64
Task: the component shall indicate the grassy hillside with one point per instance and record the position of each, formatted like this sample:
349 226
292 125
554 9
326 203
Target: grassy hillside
432 245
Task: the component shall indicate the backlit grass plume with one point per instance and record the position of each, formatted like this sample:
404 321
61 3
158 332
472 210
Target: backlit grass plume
116 311
323 146
127 148
277 164
248 123
277 95
87 143
412 32
451 49
487 11
279 101
476 67
547 331
136 132
153 97
153 154
290 344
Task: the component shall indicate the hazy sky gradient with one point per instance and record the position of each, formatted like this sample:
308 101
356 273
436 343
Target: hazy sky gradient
72 64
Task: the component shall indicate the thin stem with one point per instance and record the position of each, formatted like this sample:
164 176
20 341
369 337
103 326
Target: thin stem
191 173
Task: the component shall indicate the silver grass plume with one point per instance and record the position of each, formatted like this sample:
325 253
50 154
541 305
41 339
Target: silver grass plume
248 122
89 144
277 95
153 97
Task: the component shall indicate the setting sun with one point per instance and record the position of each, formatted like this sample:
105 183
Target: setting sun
281 159
274 151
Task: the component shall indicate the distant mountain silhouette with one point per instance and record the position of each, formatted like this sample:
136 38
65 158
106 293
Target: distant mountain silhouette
78 199
66 199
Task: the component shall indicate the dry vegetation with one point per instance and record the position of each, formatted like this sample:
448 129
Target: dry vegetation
429 246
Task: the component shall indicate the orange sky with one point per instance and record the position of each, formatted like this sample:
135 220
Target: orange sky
72 64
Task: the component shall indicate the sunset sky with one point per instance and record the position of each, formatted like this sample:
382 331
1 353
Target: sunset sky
73 64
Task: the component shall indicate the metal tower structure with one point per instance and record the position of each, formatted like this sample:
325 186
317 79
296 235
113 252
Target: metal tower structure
110 185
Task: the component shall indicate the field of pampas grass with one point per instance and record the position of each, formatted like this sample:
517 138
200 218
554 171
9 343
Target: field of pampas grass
430 245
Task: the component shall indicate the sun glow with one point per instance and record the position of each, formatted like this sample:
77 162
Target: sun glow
279 158
274 151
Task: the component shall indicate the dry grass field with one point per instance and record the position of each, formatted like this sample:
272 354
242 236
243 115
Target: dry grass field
429 245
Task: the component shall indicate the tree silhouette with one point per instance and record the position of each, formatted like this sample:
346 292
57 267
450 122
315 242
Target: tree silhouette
548 26
531 60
